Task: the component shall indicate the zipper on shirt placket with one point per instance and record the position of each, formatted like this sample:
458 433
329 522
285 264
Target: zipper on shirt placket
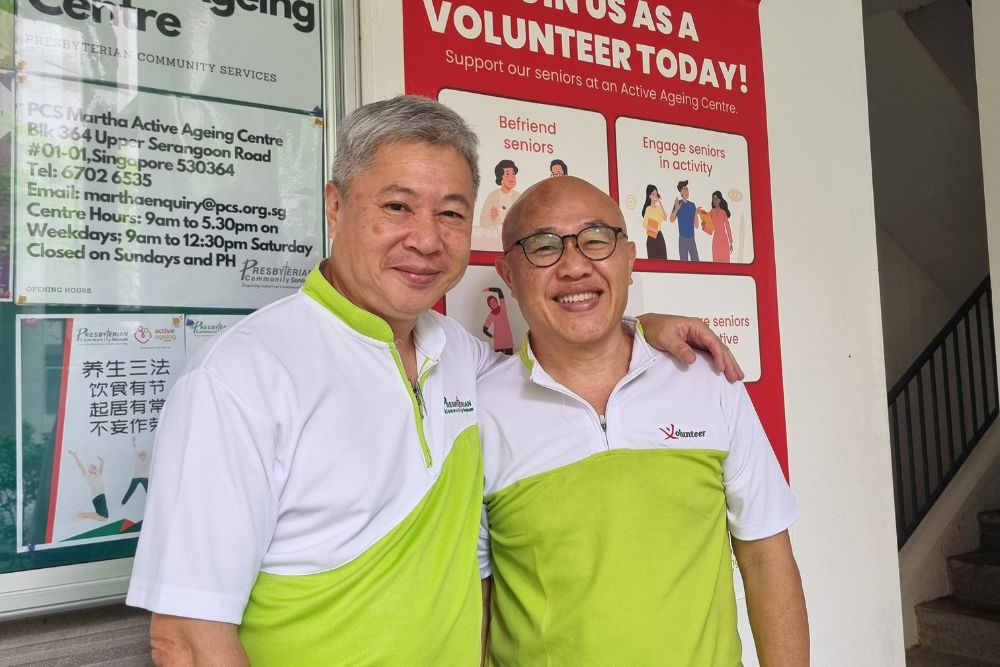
417 399
601 421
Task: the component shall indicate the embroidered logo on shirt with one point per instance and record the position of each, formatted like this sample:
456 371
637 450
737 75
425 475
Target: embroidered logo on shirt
457 405
673 433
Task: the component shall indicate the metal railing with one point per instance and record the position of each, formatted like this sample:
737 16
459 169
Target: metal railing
941 407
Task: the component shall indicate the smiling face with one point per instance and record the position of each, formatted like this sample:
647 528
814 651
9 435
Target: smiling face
576 301
509 180
401 233
715 200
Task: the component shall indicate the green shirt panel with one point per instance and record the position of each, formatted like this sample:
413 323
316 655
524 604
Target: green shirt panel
392 604
622 558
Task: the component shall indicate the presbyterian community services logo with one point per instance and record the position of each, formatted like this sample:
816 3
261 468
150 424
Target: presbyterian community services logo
674 433
256 274
457 405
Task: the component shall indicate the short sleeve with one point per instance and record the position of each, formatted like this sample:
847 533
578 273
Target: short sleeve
759 502
210 510
485 358
485 566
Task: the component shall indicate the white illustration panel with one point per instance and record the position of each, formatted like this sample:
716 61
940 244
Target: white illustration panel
519 142
728 304
654 160
483 304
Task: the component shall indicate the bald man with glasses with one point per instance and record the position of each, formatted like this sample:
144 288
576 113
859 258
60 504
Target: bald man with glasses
615 477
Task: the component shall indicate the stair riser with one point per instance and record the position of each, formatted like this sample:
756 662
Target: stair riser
962 635
989 531
978 583
989 540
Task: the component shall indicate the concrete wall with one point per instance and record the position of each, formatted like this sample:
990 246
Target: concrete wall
913 307
828 299
986 14
927 182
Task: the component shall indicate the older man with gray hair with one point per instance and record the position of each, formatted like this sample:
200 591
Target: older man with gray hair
317 479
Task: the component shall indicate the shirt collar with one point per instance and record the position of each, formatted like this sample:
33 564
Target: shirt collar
427 333
643 354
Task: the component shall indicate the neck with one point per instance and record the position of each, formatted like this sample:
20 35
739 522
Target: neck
589 371
402 330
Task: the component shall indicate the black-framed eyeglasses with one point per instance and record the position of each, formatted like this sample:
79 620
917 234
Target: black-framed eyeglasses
543 249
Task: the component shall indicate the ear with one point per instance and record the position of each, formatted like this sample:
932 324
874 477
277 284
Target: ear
503 268
631 259
332 203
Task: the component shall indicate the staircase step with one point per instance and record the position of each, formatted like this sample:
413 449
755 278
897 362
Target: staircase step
975 576
920 656
989 531
954 626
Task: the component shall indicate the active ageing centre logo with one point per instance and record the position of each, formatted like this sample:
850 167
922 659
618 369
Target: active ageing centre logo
674 433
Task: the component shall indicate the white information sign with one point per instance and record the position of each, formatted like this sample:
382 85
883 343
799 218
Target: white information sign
212 48
136 198
113 378
6 157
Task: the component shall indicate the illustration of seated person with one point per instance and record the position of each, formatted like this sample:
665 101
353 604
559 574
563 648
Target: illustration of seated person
500 200
140 472
496 325
652 221
92 474
558 168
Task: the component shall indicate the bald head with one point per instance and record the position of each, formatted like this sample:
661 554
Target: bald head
572 291
542 202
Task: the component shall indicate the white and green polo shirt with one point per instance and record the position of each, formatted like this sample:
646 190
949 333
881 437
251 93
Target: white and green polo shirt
607 536
300 489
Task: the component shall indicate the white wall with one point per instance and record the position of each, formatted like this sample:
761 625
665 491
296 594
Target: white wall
986 18
914 308
928 182
829 313
828 297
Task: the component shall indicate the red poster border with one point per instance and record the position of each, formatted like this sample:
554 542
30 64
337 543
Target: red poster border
731 30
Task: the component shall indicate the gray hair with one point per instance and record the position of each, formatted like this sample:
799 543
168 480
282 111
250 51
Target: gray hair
403 118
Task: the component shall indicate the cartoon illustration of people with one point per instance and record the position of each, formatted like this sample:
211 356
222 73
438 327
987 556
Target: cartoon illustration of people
496 325
684 213
500 200
140 472
92 474
558 168
722 233
652 220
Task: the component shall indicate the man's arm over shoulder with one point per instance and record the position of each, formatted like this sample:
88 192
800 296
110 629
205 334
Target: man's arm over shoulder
178 642
676 335
775 601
